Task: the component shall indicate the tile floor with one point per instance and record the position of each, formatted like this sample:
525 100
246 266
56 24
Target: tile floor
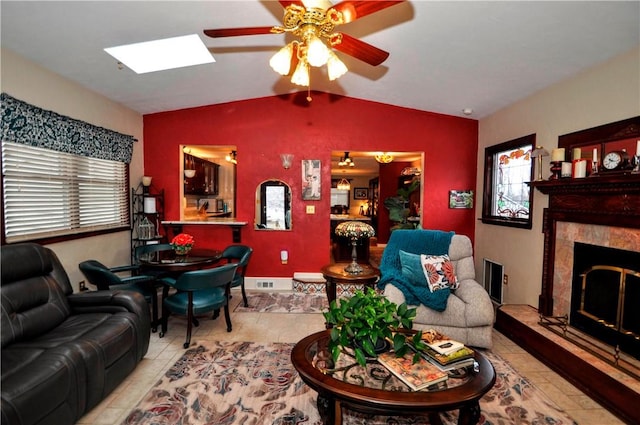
272 327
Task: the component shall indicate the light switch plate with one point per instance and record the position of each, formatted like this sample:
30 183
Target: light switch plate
311 209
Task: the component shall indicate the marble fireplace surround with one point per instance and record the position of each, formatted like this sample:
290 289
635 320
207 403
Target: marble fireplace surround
601 210
567 233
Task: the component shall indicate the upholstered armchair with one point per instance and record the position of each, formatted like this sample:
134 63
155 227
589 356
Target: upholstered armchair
466 313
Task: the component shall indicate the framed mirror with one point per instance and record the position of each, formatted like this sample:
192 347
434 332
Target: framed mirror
273 205
619 135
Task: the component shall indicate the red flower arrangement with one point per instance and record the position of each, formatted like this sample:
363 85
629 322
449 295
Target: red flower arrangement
182 243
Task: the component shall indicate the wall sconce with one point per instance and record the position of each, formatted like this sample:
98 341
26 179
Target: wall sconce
286 160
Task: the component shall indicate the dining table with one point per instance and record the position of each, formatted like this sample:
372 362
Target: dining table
169 263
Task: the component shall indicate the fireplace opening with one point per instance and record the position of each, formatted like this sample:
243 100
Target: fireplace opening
605 293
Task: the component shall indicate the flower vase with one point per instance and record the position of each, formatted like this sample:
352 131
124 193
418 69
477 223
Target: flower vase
182 251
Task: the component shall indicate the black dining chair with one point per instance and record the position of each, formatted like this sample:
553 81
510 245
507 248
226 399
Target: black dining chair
239 255
198 292
107 279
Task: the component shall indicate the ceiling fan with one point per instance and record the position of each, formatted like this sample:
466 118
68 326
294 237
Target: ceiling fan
312 24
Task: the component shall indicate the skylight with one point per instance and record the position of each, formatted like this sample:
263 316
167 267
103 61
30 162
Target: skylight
159 55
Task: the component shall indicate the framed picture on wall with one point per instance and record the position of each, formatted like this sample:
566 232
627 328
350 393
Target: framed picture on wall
311 183
461 199
361 193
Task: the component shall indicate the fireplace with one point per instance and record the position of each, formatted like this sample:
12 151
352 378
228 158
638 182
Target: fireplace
602 210
604 294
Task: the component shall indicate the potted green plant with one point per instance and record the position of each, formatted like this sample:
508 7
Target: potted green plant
365 322
398 206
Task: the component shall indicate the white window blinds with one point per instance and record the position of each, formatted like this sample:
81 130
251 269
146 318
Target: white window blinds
49 193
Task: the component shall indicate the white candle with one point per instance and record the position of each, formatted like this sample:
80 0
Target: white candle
581 169
565 170
638 148
595 155
557 155
577 153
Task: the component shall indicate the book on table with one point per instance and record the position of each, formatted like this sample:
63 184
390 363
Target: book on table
417 376
443 351
463 354
446 346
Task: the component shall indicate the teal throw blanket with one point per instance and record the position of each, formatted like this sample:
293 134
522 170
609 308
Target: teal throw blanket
430 242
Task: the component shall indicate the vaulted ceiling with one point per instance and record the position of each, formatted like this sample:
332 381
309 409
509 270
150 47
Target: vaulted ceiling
444 56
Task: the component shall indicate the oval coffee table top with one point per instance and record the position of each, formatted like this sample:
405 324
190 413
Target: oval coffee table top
309 356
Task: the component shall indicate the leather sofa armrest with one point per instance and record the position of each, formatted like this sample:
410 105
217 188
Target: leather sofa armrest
114 302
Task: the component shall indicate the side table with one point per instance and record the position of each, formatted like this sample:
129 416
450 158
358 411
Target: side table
334 274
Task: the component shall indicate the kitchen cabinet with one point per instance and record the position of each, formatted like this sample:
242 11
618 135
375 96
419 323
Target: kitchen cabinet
205 181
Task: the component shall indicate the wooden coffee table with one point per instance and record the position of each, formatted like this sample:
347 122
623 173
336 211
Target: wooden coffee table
363 390
334 274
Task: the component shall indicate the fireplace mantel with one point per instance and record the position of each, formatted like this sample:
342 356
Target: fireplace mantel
607 200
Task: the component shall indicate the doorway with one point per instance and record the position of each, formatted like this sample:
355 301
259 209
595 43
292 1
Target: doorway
370 182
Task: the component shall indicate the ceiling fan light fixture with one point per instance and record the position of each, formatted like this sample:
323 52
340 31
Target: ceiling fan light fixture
346 161
335 67
383 157
301 75
317 52
281 61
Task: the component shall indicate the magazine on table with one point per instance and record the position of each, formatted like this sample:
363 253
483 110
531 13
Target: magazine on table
417 376
465 353
460 357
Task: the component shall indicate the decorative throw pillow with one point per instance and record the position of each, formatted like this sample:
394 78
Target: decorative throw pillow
412 268
439 272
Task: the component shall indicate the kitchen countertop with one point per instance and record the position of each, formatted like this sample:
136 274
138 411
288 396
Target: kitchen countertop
215 221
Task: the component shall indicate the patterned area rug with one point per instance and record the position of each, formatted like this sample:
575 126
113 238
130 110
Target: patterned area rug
284 302
250 383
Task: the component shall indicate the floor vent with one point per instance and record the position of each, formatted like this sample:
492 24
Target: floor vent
264 284
493 278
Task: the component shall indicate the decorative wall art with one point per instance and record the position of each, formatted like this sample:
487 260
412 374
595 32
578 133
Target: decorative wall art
461 199
311 183
361 193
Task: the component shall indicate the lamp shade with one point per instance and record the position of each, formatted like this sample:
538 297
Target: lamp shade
355 230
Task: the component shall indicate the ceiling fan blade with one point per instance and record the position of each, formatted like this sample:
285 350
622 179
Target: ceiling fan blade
234 32
286 3
352 10
361 50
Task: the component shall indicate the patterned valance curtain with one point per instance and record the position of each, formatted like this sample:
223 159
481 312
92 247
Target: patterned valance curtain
27 124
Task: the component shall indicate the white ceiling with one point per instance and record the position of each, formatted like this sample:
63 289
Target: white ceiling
445 56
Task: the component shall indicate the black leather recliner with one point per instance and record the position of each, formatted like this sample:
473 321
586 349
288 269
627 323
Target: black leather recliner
62 353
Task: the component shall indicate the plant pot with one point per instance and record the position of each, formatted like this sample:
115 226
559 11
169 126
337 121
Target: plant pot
381 345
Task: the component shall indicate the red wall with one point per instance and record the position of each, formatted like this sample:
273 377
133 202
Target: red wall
264 128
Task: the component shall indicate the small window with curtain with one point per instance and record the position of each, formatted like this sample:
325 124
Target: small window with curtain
50 194
508 199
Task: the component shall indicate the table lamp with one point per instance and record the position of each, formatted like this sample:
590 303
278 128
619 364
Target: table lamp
354 230
538 153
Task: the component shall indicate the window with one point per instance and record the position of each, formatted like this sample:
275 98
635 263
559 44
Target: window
50 194
508 198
